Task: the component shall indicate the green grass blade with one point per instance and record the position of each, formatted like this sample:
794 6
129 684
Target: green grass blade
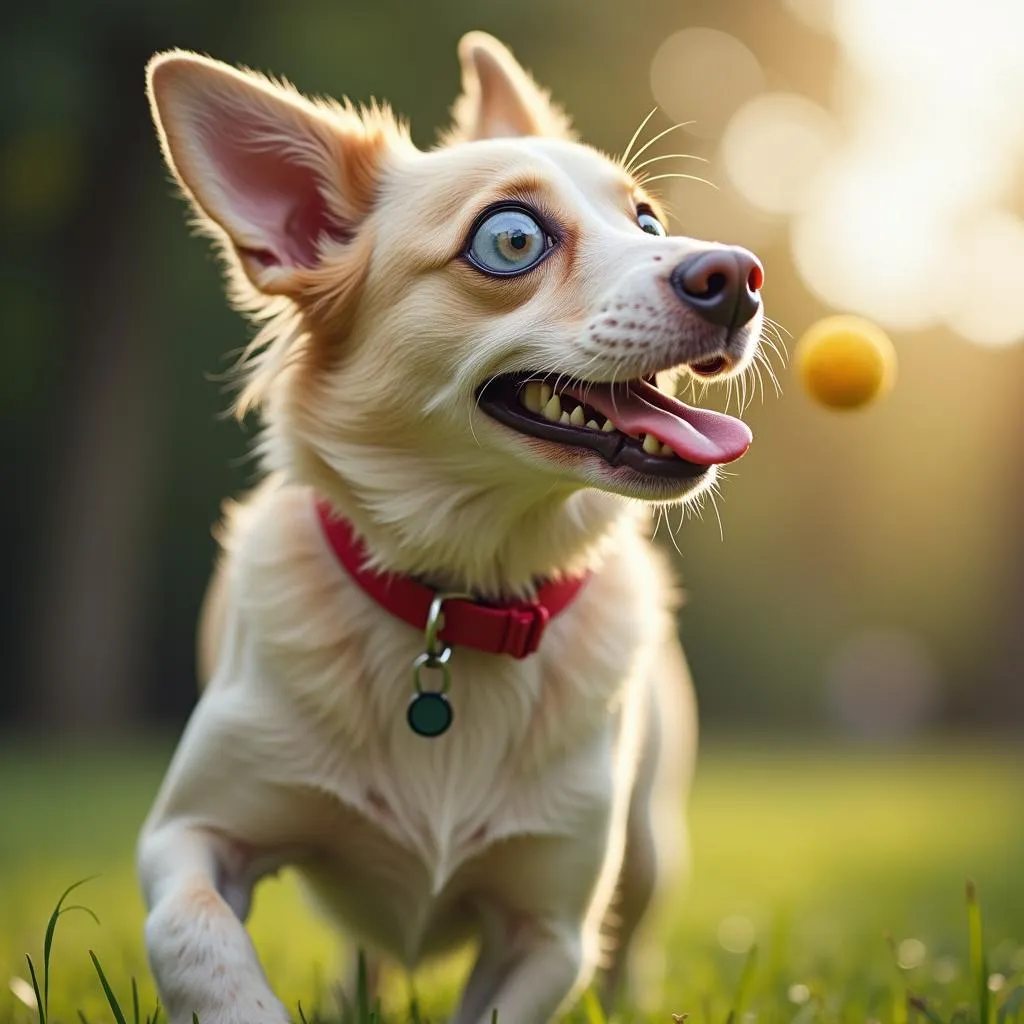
82 1017
40 1007
1012 1005
107 991
362 990
135 1003
979 963
921 1005
51 928
414 1012
743 987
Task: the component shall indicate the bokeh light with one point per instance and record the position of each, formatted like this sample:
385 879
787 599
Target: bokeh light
816 14
869 242
985 268
702 75
911 954
736 933
773 148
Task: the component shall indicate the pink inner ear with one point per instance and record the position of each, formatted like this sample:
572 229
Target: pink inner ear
269 194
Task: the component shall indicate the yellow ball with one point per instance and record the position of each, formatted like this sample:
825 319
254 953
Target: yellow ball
845 362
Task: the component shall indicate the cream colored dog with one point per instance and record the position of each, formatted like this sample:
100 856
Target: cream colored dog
458 358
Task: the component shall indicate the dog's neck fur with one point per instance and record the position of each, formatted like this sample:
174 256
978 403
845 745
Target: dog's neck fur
491 538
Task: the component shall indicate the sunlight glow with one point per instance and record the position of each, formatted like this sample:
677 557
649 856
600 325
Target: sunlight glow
897 199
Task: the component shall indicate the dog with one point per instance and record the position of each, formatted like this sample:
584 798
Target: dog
441 676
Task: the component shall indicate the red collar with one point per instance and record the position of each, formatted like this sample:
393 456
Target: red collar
513 628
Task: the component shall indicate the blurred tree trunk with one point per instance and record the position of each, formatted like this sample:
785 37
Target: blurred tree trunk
89 631
1007 693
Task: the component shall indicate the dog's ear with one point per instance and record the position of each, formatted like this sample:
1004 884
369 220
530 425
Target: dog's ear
499 99
278 177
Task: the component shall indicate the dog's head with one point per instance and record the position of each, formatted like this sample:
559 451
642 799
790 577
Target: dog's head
486 319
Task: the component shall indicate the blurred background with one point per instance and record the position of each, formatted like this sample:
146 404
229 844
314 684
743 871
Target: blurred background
869 573
855 618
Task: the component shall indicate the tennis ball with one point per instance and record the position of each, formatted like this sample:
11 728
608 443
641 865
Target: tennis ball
845 362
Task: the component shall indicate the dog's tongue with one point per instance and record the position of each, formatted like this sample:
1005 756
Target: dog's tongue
697 435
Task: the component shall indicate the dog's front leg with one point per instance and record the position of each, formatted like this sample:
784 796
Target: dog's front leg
199 951
529 985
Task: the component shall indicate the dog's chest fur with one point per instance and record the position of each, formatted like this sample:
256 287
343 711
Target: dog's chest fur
401 827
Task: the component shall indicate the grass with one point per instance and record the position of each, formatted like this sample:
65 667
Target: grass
828 887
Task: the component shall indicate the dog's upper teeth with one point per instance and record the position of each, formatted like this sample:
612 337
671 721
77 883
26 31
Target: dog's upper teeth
529 396
651 444
608 426
576 418
552 409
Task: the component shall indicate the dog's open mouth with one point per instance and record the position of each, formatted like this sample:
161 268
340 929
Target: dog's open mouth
630 424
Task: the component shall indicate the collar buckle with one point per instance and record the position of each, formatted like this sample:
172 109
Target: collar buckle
524 629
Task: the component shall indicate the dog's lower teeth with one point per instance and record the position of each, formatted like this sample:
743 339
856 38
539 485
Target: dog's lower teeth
565 418
608 426
665 450
552 410
545 394
576 418
592 425
652 445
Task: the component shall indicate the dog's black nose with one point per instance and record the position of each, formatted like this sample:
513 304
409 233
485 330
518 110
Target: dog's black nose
723 285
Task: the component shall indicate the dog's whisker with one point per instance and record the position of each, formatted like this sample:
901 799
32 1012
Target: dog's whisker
672 535
766 362
718 515
647 145
778 326
636 135
689 177
671 156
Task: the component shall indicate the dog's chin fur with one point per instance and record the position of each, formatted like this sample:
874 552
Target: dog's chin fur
347 244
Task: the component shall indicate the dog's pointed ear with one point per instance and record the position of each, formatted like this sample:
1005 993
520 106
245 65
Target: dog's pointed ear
499 99
276 176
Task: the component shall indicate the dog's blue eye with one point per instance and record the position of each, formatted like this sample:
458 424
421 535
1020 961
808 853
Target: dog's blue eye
508 242
650 223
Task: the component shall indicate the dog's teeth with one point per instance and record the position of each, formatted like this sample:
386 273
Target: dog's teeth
592 425
565 418
545 394
651 444
665 450
552 409
577 419
530 396
608 426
